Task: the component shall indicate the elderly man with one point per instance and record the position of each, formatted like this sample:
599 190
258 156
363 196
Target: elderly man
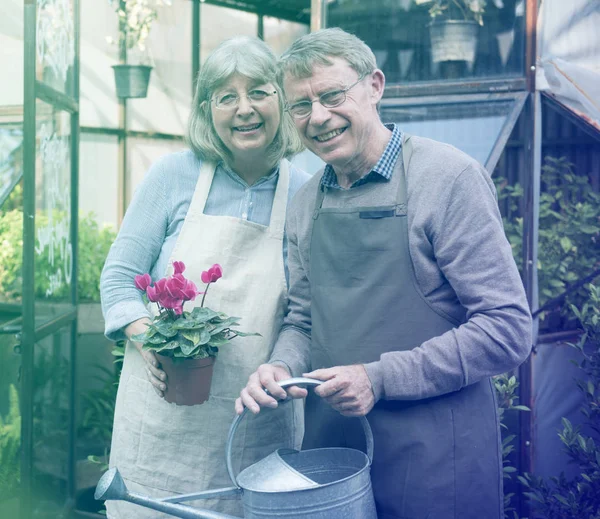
404 296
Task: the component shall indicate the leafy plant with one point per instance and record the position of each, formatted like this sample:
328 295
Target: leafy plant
180 334
578 498
506 386
569 236
94 243
135 21
10 448
456 9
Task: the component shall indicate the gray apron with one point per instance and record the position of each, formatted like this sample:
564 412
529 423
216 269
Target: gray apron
437 458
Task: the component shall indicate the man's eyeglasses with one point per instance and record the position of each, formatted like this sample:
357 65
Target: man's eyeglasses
328 100
231 100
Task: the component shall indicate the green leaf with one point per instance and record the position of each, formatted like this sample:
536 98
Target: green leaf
171 345
561 499
224 325
534 496
204 337
202 315
187 348
589 229
165 328
246 334
218 340
193 336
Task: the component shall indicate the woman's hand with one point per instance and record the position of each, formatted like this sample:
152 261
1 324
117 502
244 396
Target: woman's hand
267 376
156 376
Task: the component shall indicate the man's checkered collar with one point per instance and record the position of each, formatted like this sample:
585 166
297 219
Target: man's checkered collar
382 170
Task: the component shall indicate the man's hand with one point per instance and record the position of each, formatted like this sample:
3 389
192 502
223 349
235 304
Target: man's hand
346 388
267 376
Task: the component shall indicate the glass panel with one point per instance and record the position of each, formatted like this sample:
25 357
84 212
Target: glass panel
98 178
53 249
11 165
219 23
10 427
411 45
98 103
55 44
280 34
142 153
11 216
50 419
167 107
11 52
472 127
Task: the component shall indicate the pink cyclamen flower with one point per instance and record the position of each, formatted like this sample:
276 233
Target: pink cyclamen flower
143 281
156 292
212 274
152 295
174 286
189 292
178 267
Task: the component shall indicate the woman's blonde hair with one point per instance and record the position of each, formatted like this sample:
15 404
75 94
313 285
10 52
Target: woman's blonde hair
252 58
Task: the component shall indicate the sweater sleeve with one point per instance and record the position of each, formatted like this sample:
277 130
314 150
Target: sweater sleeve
475 257
293 344
135 250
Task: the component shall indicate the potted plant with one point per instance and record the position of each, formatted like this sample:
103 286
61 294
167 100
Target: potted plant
454 29
135 21
187 343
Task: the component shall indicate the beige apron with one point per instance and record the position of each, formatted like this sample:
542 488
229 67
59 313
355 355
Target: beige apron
163 449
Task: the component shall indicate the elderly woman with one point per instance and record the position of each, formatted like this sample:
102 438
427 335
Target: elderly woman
224 201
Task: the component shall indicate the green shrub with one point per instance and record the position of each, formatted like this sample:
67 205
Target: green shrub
10 448
569 234
94 244
506 386
578 498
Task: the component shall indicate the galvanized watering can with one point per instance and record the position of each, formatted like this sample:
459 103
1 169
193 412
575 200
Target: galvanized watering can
329 483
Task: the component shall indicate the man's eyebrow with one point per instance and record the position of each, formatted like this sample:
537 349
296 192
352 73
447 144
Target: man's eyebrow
319 92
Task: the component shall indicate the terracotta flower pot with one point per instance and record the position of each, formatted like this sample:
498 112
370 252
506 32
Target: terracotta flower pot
188 381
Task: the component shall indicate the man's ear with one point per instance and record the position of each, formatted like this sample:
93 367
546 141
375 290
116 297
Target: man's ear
377 83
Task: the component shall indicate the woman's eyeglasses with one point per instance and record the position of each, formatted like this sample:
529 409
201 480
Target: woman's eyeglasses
231 100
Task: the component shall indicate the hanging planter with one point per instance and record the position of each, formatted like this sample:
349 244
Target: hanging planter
135 21
132 80
453 40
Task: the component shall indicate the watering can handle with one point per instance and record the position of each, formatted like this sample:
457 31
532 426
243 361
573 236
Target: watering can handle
298 381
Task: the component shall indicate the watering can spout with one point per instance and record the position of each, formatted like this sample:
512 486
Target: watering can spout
112 487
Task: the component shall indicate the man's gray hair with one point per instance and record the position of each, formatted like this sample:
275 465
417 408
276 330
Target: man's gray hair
317 48
252 58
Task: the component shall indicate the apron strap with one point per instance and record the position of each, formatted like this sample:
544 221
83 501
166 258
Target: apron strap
278 210
207 173
402 193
